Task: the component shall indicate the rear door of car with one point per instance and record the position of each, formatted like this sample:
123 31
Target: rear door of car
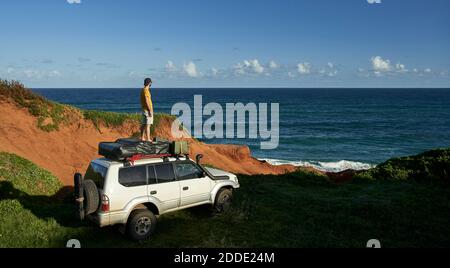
133 184
163 185
195 186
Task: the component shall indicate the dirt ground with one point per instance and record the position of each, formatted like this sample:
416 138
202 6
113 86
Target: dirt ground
71 148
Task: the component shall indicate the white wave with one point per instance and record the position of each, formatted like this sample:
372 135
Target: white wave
324 166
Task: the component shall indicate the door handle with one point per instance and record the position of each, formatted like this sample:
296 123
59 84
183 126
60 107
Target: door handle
153 192
185 188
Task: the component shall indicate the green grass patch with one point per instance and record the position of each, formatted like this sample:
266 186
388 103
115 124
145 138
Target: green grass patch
431 167
50 114
109 119
26 176
112 119
294 210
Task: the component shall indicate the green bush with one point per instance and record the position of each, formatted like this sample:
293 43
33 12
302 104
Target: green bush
49 114
429 167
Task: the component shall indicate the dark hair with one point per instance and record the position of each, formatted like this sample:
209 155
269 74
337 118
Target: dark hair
147 81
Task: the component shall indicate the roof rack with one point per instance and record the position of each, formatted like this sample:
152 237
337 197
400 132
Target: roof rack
137 157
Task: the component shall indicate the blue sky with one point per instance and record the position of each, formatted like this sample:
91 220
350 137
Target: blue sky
226 43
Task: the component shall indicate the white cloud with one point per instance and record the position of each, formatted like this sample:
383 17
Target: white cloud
239 69
252 66
273 65
170 66
54 73
31 73
332 73
74 1
10 70
304 68
400 68
214 71
380 65
291 75
383 67
190 69
330 70
37 74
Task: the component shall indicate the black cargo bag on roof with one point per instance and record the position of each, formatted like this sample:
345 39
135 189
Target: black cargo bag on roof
126 148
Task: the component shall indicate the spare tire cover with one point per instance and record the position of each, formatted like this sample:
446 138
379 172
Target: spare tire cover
91 197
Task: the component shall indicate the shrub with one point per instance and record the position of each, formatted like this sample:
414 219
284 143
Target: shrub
431 167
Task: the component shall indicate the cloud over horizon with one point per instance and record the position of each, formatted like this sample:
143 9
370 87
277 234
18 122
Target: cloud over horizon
248 66
304 68
191 69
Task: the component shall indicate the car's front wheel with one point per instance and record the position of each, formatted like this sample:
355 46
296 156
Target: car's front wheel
141 224
223 200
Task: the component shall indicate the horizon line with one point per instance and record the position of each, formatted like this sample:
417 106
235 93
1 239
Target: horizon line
242 87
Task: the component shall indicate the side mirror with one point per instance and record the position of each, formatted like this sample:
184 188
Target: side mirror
198 158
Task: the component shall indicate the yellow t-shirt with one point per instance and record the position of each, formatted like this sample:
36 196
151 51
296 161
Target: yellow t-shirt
145 93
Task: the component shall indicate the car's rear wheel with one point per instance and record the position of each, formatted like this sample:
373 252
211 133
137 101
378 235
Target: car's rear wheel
141 224
223 200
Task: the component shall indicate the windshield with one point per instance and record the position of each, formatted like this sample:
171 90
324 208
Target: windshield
97 173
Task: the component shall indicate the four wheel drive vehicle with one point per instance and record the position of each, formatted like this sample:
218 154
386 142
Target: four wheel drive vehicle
134 193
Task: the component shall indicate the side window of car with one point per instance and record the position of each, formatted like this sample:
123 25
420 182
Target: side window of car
188 171
151 175
133 176
164 173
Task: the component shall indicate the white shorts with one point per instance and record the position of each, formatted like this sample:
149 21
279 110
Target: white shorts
146 118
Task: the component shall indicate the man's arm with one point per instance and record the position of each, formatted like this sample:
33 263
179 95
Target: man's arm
149 104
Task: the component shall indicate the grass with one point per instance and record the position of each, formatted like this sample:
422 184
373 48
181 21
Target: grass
431 167
51 115
294 210
109 119
112 119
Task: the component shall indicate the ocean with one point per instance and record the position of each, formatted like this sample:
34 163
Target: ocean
330 129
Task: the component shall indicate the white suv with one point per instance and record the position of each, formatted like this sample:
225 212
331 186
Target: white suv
134 193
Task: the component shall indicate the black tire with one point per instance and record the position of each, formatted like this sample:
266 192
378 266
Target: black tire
91 197
141 224
223 200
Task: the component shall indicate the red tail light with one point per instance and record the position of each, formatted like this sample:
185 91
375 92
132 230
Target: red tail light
105 203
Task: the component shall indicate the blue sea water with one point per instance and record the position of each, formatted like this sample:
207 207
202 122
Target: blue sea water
331 129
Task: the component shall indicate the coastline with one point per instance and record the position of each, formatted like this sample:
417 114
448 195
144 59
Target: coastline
64 139
332 167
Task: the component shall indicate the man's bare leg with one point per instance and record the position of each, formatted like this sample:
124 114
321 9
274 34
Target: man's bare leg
143 129
148 133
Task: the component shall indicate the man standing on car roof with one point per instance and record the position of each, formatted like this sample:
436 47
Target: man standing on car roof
147 110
